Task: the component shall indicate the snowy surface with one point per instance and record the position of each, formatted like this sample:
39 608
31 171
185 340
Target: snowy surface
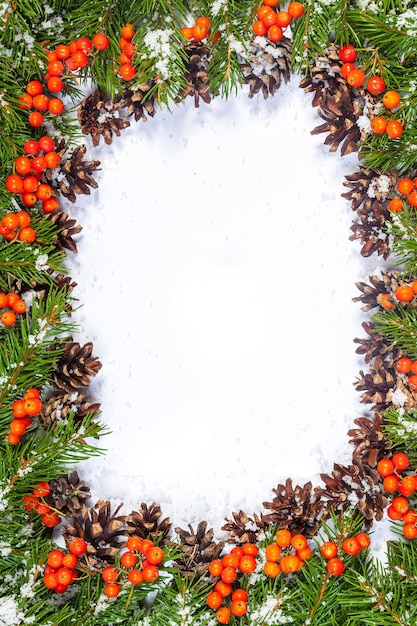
217 276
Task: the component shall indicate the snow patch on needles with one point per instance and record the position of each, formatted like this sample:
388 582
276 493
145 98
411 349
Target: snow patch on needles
157 43
269 613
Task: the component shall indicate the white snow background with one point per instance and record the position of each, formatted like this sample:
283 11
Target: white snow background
216 279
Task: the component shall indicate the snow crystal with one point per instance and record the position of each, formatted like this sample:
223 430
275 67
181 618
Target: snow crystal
398 397
381 184
217 6
41 263
157 42
364 123
270 613
10 614
5 548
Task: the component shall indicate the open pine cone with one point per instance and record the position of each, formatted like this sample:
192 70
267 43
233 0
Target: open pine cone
103 531
196 75
267 64
244 529
147 523
100 117
68 493
296 508
198 549
75 367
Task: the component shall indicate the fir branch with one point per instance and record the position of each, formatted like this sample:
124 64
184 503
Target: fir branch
400 428
399 327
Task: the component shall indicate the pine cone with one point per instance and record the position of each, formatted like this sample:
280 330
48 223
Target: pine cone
358 486
138 103
340 105
198 84
67 494
199 550
368 195
75 367
67 229
59 405
267 65
388 282
99 117
103 531
244 529
146 523
375 349
369 440
376 384
73 176
297 508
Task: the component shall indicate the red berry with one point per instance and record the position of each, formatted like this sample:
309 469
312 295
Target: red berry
348 53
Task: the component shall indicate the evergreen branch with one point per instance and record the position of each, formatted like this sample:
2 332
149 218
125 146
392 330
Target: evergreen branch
400 428
399 327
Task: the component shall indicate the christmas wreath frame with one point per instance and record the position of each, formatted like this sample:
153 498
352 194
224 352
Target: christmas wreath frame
37 353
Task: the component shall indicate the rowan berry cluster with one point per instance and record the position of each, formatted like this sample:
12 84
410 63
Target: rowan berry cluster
225 600
35 501
395 480
138 564
376 86
17 226
23 410
60 569
128 49
333 553
14 305
271 22
287 555
403 293
39 156
199 30
408 188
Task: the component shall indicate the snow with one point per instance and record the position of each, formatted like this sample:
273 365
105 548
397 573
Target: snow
216 278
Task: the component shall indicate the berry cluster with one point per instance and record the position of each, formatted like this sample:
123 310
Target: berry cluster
391 470
13 304
128 49
60 569
17 226
35 98
137 565
272 23
23 409
406 187
36 502
403 293
199 30
350 546
287 555
376 86
39 156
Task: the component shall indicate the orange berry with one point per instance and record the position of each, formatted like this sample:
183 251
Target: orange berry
395 205
8 318
385 467
295 9
283 538
391 99
155 555
412 199
110 574
379 125
150 573
298 542
215 567
34 87
27 235
351 546
394 129
271 569
17 427
405 186
404 293
128 31
199 32
400 504
135 576
412 382
274 33
385 300
283 19
127 71
187 32
401 460
259 28
128 559
238 608
328 549
247 564
111 590
391 483
410 531
223 615
13 439
335 566
203 21
250 548
100 41
214 599
56 106
35 119
364 540
272 552
356 78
